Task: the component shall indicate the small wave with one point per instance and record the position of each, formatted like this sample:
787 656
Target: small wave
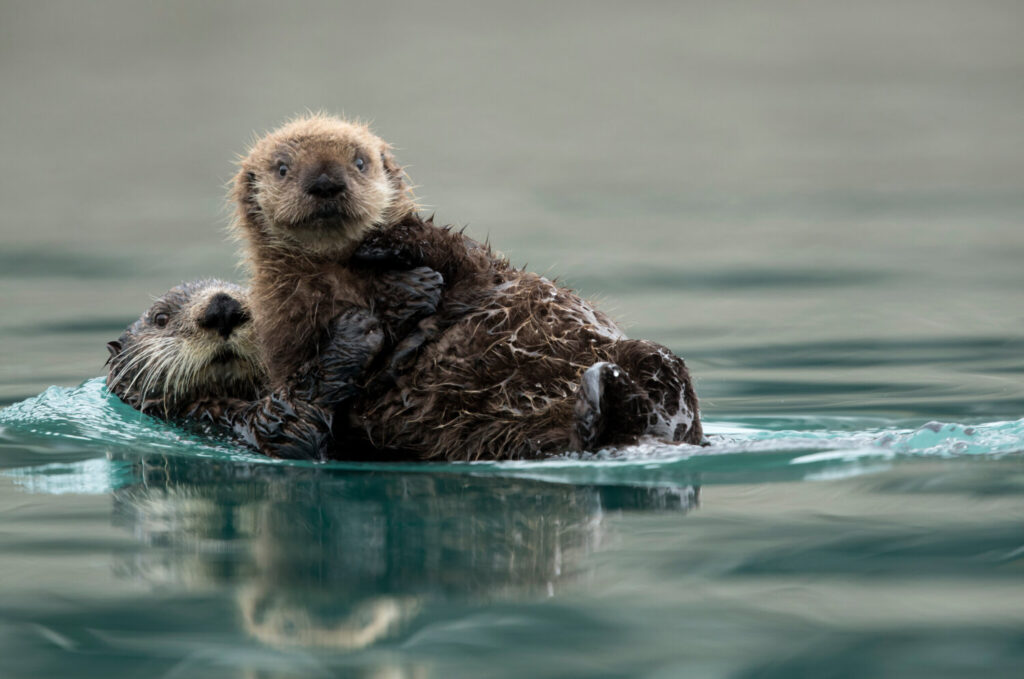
90 418
60 430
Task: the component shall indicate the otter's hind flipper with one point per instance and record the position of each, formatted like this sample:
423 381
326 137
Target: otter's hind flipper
665 379
610 409
647 392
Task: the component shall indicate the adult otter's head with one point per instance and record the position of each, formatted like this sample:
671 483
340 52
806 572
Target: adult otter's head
317 185
195 342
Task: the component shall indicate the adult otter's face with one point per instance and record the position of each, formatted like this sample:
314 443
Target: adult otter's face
317 185
195 342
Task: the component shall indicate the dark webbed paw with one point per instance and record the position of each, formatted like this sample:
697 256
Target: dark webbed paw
609 408
402 357
420 284
388 248
275 425
355 341
287 429
406 297
295 422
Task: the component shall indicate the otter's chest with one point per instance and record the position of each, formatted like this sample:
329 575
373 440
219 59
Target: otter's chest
330 290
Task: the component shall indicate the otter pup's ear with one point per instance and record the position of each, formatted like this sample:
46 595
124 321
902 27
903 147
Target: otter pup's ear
404 202
393 169
243 193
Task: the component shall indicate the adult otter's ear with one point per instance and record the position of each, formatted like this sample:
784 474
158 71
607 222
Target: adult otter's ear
114 347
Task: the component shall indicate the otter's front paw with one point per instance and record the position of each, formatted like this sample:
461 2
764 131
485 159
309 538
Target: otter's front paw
355 333
421 282
407 296
383 249
215 411
403 356
356 339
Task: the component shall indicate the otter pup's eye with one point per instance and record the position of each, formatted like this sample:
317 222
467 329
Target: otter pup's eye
282 170
160 320
360 163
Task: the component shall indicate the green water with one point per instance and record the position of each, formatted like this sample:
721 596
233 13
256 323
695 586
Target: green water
791 546
820 205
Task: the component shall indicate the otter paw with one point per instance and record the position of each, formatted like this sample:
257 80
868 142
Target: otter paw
381 250
417 290
335 375
610 408
357 326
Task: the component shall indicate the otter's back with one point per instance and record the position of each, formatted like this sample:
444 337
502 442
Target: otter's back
500 381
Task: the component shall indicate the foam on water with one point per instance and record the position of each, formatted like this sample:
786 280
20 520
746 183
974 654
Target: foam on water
69 438
90 417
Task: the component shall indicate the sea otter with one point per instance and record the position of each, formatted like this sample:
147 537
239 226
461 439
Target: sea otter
195 341
192 357
510 366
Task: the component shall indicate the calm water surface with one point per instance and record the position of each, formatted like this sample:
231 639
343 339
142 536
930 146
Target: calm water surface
820 206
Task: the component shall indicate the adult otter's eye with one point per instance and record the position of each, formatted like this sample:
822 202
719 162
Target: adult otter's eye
282 170
160 320
360 163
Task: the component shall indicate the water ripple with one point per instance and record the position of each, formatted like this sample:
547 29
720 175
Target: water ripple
63 430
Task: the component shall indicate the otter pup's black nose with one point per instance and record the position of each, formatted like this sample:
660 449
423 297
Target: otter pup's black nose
326 187
223 314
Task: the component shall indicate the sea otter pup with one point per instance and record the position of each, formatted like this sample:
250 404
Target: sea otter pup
511 366
192 356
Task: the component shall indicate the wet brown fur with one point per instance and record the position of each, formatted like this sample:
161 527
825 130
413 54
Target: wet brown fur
501 374
502 379
201 364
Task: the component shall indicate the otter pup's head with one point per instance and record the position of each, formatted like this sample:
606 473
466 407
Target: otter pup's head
317 185
197 341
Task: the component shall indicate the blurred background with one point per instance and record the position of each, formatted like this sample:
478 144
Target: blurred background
819 204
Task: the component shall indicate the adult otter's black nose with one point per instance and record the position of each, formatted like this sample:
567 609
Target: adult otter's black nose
326 187
223 314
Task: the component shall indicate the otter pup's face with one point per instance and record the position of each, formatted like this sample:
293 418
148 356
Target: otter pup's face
317 185
197 341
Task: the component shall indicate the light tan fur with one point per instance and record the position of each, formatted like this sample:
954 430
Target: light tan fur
287 217
297 256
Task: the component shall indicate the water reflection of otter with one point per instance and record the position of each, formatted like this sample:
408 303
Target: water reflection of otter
342 559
